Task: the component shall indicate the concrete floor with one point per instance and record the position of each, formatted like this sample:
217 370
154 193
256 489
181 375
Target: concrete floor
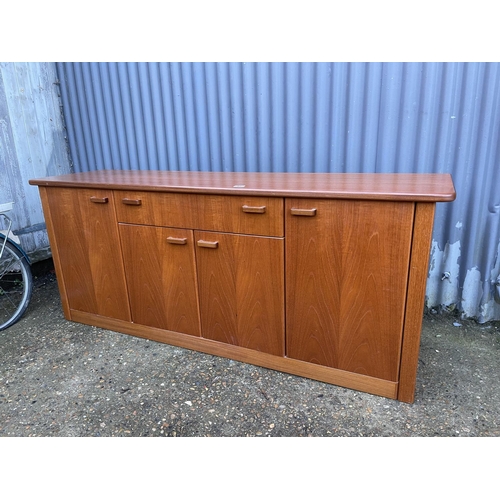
59 378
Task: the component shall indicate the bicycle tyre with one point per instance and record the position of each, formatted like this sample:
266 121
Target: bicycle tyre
16 284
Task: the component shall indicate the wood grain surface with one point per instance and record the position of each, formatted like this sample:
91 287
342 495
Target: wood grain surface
409 187
230 214
346 273
89 252
241 284
202 259
161 277
419 265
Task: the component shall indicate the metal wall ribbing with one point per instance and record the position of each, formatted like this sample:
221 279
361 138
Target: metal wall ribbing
312 117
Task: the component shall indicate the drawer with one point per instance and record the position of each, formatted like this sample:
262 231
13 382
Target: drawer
155 209
230 214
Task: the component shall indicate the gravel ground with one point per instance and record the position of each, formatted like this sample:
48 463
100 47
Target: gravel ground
65 379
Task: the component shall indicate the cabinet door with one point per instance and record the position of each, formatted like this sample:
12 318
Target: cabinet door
88 247
161 277
241 283
347 271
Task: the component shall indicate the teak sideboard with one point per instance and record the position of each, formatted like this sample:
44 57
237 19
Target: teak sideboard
317 275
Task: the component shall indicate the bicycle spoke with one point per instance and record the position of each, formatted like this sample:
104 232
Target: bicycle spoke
5 294
15 285
9 266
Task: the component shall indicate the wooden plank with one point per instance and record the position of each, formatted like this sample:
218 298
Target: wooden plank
404 187
419 264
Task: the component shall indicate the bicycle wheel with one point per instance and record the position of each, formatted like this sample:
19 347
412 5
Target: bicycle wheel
16 284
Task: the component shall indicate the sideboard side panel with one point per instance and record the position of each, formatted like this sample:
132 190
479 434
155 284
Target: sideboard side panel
419 263
54 248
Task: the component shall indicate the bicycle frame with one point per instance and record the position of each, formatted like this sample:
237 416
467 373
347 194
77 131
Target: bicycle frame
5 235
9 224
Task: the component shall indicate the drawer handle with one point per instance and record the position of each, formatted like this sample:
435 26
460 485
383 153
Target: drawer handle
307 212
96 199
254 210
177 241
129 201
207 244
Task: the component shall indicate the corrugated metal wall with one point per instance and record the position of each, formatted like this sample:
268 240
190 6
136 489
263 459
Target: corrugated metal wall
312 117
32 144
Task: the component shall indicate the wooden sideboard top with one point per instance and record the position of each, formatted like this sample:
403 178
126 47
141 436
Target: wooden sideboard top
404 187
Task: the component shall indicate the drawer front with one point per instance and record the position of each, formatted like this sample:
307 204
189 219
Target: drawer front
155 209
230 214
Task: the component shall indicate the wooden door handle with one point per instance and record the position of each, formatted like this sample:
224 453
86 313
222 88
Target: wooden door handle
176 241
96 199
307 212
207 244
254 210
130 201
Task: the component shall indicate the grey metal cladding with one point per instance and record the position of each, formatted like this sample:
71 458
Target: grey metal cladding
312 117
